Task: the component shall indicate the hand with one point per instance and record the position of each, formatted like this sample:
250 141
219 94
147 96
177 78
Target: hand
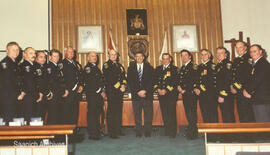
179 89
234 91
40 97
66 93
123 88
183 91
246 94
103 94
20 97
80 89
142 93
50 97
197 91
220 99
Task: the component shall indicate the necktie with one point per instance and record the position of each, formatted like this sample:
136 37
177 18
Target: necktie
140 73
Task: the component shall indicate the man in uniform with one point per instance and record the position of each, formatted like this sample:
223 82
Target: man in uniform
72 72
166 86
58 87
94 88
30 85
185 87
43 81
11 90
240 69
205 87
141 81
223 83
115 84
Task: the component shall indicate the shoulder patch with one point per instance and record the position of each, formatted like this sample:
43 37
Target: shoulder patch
250 61
87 70
49 70
195 66
39 72
213 66
60 65
27 68
4 65
106 65
229 65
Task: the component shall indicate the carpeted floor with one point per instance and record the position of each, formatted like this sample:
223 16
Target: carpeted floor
130 145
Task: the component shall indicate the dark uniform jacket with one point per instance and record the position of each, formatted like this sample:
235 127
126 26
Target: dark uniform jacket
240 69
72 75
29 79
167 79
224 78
146 83
258 83
56 78
187 77
10 83
43 79
206 77
93 79
114 74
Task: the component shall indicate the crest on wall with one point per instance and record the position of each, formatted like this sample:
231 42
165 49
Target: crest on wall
136 21
137 45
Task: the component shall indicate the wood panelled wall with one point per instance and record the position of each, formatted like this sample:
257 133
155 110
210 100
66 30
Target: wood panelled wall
67 15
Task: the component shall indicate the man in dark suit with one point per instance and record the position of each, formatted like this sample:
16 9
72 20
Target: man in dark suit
185 87
140 77
10 84
94 88
223 85
115 84
43 81
205 87
30 85
166 81
258 85
72 73
57 85
240 69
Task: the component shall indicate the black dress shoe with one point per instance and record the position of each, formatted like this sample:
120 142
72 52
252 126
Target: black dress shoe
121 134
147 134
172 136
138 135
113 136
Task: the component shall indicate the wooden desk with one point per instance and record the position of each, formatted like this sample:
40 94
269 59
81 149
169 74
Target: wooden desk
31 134
234 147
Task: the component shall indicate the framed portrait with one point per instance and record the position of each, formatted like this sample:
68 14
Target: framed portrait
90 38
137 22
185 37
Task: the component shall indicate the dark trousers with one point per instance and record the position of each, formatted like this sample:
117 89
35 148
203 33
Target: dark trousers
10 105
208 106
95 107
168 109
244 108
227 110
54 108
190 105
40 109
70 108
147 106
262 112
114 114
27 107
